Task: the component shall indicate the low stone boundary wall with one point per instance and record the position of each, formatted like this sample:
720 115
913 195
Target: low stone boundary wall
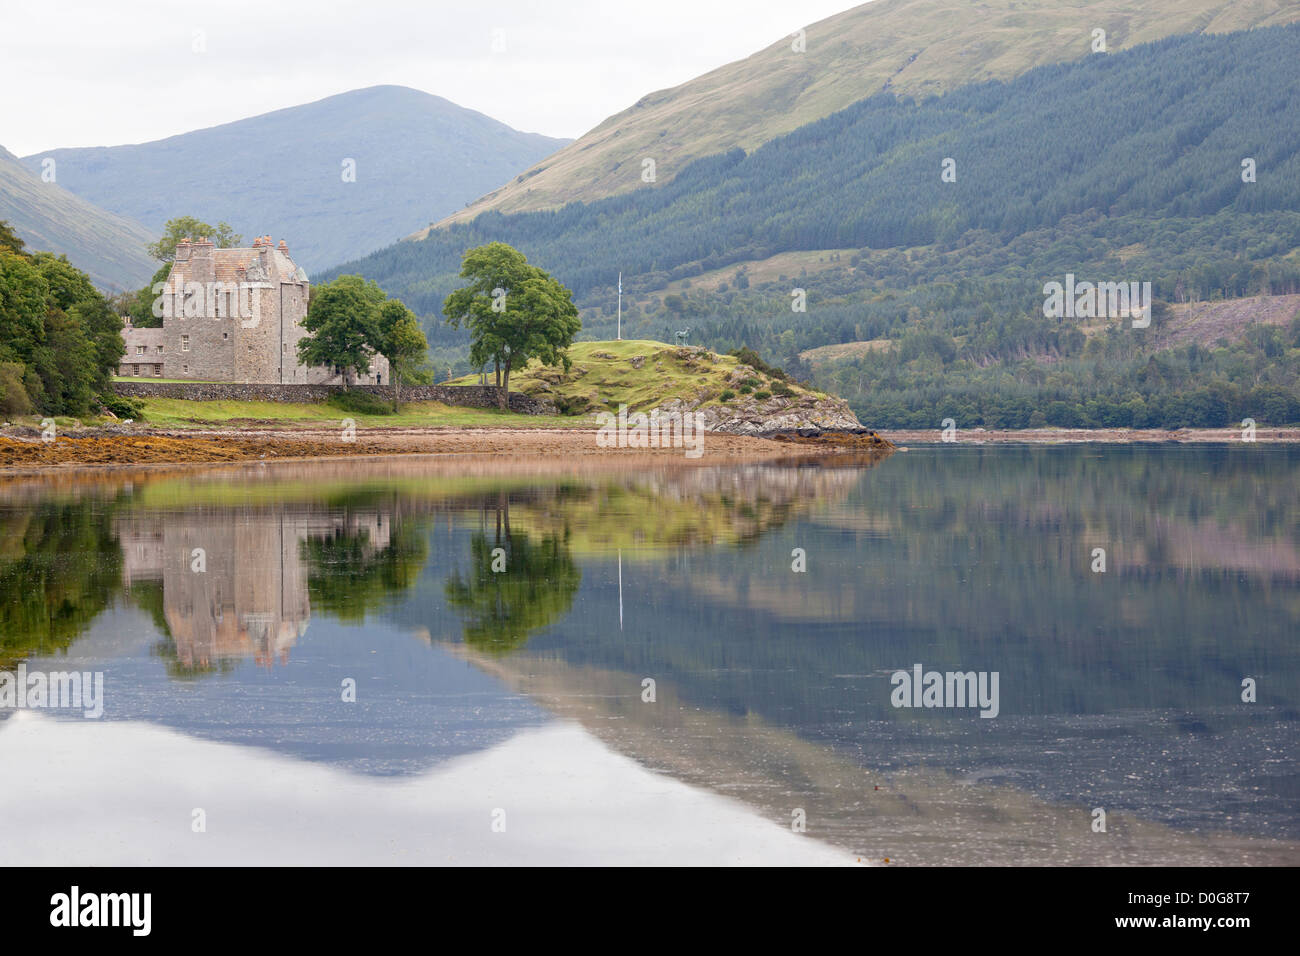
470 396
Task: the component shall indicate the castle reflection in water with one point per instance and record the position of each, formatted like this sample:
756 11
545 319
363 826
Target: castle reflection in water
234 583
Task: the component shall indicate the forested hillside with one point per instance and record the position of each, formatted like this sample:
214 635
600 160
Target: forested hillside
908 47
1120 167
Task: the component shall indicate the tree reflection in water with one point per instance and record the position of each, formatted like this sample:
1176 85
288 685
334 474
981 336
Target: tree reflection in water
534 587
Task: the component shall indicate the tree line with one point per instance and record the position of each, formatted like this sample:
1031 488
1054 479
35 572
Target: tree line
60 338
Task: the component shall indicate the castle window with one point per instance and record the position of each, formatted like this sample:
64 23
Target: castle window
139 350
160 350
185 344
186 369
225 335
135 370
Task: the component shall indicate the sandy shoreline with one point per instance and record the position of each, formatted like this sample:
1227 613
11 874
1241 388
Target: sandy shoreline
26 454
143 448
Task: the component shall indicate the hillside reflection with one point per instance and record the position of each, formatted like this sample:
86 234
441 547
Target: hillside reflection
467 602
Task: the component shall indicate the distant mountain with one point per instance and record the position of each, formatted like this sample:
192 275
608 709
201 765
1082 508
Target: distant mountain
908 47
1175 163
417 157
109 248
1154 133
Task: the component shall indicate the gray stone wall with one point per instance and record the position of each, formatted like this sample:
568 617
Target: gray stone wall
199 348
468 396
258 355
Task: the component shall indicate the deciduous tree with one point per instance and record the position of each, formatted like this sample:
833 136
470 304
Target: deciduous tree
514 312
401 341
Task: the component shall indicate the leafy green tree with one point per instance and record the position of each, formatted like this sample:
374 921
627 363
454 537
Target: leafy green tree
514 312
187 227
57 326
24 296
14 399
139 305
343 319
400 340
9 241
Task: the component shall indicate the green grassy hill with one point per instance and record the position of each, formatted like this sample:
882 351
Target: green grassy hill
909 47
48 218
644 374
637 373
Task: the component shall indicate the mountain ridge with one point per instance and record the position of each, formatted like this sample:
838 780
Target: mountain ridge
48 218
413 155
911 47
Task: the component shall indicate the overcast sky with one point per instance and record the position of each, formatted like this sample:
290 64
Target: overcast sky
96 73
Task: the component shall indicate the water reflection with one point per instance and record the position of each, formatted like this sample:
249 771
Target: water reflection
225 580
60 567
514 585
535 596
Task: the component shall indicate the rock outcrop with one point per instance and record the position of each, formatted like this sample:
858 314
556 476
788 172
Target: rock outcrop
745 415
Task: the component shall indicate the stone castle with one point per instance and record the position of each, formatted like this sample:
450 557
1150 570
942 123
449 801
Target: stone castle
232 315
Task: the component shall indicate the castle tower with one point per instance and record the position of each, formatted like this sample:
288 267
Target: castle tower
235 315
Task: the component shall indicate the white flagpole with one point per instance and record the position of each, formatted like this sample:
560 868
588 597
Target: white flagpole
620 307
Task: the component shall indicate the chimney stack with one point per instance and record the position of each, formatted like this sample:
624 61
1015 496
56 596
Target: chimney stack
183 250
201 263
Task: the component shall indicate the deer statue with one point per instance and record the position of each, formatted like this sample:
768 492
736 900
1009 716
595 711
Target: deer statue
681 335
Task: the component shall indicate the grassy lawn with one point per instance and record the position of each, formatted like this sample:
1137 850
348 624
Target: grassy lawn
179 413
640 373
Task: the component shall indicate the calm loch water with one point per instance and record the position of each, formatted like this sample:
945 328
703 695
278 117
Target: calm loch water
424 662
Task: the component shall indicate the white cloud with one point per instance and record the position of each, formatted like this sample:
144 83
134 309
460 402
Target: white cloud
87 73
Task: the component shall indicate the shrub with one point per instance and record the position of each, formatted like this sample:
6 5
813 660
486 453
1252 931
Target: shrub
575 404
746 389
360 403
762 394
14 399
121 406
782 389
748 356
727 395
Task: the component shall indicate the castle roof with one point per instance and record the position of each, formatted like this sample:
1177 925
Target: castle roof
134 335
233 265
